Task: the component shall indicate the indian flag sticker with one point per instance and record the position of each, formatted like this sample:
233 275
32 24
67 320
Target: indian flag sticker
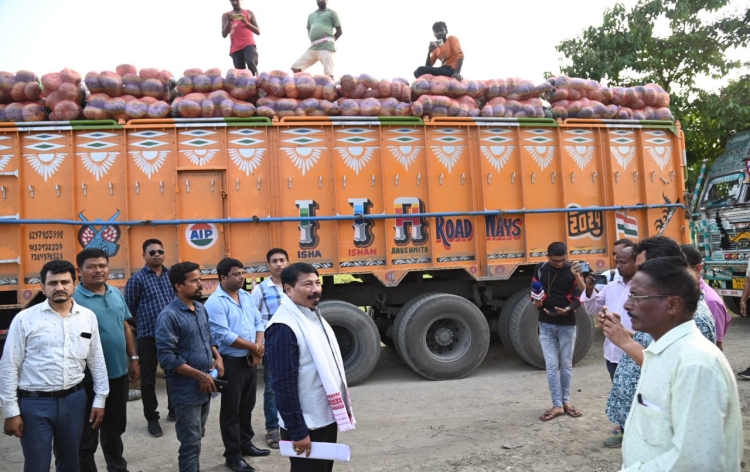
201 235
626 225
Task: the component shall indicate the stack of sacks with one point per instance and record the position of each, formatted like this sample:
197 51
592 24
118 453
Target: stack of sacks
514 98
20 97
440 105
128 93
368 96
582 98
63 95
499 107
209 95
272 106
446 96
217 104
299 95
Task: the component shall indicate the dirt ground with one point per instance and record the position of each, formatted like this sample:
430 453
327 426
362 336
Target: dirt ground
485 423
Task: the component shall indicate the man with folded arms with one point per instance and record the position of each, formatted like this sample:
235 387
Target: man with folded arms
41 374
237 326
306 370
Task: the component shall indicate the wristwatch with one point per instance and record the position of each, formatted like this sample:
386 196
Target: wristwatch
134 358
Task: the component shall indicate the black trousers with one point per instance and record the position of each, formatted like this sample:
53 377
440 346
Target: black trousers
445 71
611 368
149 362
111 429
237 403
246 56
327 434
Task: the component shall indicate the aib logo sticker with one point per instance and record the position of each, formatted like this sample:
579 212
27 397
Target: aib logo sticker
363 236
308 230
100 235
410 228
201 235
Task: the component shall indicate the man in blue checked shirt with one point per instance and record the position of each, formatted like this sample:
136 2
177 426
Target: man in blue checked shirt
237 327
147 293
267 297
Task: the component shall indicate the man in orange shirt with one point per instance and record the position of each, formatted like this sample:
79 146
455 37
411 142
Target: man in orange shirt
448 50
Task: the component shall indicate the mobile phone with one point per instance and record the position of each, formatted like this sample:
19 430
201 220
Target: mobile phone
237 16
600 279
585 268
220 384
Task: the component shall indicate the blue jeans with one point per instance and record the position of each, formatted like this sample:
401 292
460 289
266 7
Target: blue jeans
190 428
558 342
56 422
269 400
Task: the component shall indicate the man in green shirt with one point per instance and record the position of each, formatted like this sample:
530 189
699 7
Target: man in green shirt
118 344
320 28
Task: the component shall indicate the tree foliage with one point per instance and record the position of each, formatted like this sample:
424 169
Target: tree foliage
626 50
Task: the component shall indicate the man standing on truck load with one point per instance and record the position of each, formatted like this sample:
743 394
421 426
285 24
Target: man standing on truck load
188 355
118 345
557 303
237 327
240 25
612 298
147 293
686 412
320 28
712 299
307 369
267 297
41 374
448 50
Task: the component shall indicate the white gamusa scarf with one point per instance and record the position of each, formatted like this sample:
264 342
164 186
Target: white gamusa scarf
328 373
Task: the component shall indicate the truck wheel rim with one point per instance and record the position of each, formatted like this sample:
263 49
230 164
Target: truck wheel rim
347 344
447 339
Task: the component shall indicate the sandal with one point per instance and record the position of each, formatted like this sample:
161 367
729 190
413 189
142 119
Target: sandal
549 415
572 411
272 439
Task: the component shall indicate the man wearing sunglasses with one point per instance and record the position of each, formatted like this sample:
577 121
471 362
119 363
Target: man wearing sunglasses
237 326
147 293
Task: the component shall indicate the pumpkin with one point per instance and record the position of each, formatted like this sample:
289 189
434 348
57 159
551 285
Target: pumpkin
18 92
14 111
33 112
136 109
153 88
201 83
123 69
95 113
68 110
111 83
25 76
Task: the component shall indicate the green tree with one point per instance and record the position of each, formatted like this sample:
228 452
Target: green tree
625 50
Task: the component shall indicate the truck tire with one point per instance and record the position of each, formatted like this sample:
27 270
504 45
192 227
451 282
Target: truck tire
400 316
524 333
503 322
357 337
443 337
732 304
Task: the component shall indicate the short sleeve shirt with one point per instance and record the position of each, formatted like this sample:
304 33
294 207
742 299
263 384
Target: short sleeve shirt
321 24
111 313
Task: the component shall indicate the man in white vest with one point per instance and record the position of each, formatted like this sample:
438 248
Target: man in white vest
307 372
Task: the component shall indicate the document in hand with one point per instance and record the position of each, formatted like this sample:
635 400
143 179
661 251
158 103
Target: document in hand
320 450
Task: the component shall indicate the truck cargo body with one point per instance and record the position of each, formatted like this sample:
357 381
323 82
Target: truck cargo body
439 224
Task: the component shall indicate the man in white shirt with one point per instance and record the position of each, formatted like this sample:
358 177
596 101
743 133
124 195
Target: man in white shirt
745 374
41 374
686 412
612 274
612 297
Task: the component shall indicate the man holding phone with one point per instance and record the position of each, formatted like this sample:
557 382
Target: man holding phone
241 26
557 324
612 297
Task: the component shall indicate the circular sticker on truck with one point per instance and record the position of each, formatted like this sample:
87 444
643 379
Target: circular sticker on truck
201 235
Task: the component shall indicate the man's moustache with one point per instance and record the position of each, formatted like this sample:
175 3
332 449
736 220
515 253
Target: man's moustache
313 296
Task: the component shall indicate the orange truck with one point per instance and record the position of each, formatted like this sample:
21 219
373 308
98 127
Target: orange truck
436 226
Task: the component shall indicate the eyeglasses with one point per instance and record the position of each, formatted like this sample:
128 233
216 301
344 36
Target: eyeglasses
635 298
157 251
558 261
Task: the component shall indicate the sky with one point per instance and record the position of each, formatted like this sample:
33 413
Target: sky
385 38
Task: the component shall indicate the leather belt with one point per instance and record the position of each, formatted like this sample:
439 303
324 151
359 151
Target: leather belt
55 394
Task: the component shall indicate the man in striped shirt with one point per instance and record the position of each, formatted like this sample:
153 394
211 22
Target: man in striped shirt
147 293
267 297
